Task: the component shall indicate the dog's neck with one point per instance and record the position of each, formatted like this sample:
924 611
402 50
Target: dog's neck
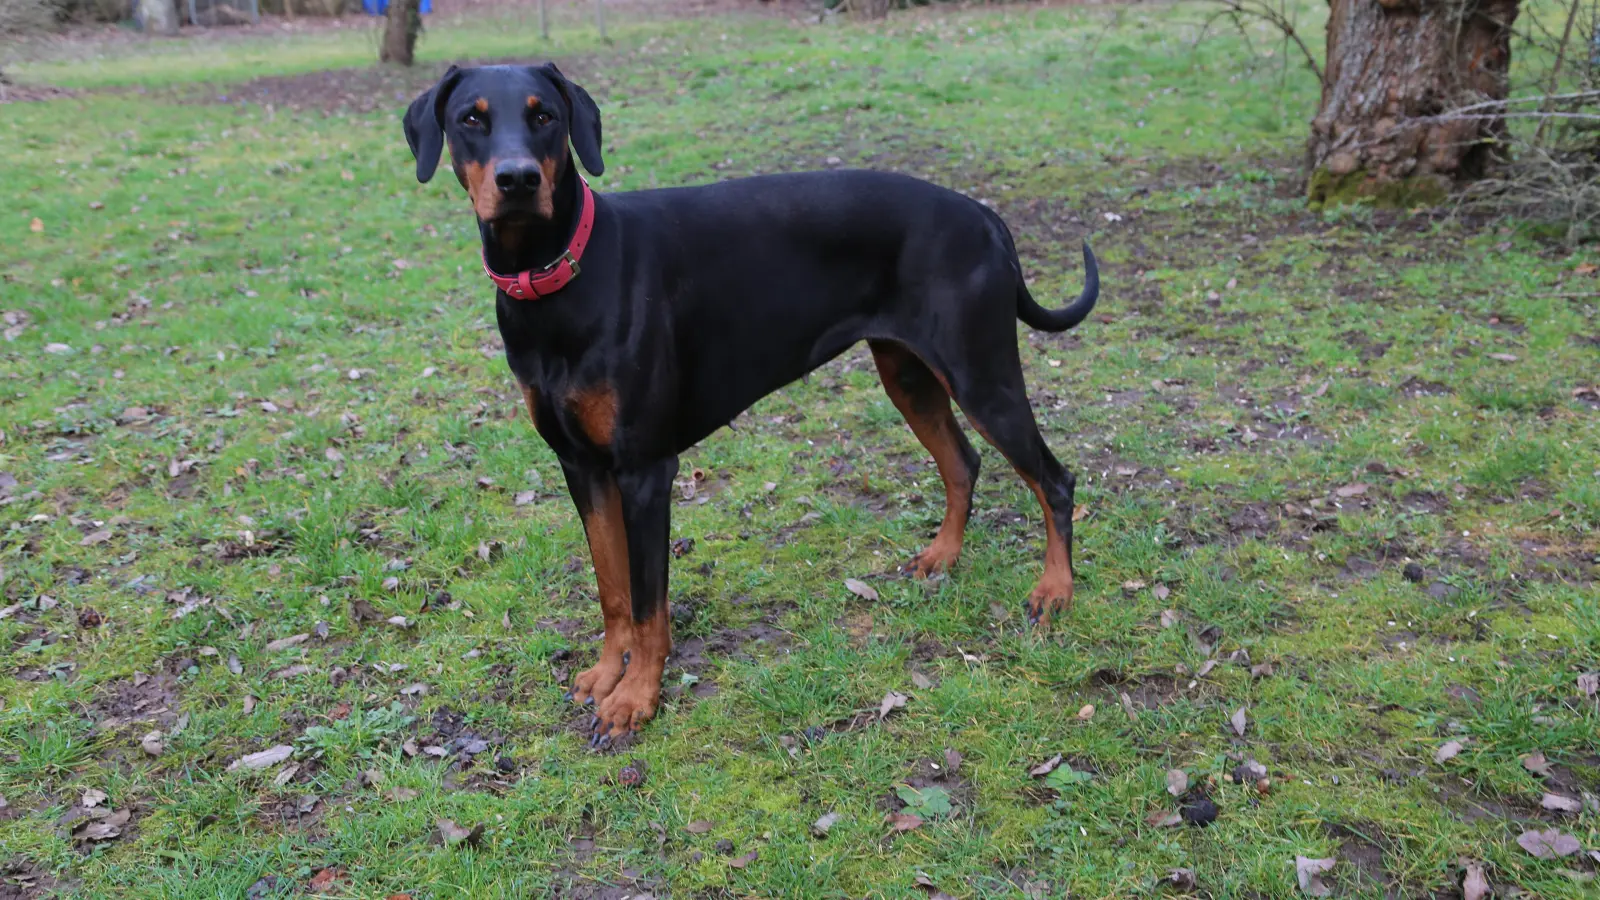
535 242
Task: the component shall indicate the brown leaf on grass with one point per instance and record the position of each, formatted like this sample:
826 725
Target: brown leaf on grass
525 498
1127 707
1474 884
1169 618
1503 357
400 794
1548 844
700 826
263 759
1351 490
1161 591
451 834
1205 668
1180 880
1589 683
921 681
744 860
1309 873
904 821
286 643
891 701
291 672
825 823
95 537
1558 803
1177 782
153 743
861 589
103 829
1447 751
952 761
1164 818
93 797
37 225
362 611
1536 763
323 879
1080 512
1046 767
1263 670
1086 712
1238 721
391 583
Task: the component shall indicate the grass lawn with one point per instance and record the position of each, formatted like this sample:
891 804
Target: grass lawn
266 483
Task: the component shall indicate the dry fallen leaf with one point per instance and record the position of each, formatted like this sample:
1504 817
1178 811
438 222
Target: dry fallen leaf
1352 490
891 701
1309 873
1447 751
1080 512
324 878
265 758
952 761
1180 880
904 821
451 834
1127 707
1558 803
95 537
824 823
1046 767
922 681
861 589
400 794
744 860
1474 884
1177 782
152 743
286 643
37 225
1164 818
700 826
1536 763
1548 844
104 829
1169 618
1589 683
1238 721
93 797
1086 713
1161 591
1503 357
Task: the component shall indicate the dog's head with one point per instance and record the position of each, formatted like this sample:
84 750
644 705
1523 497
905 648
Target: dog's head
508 128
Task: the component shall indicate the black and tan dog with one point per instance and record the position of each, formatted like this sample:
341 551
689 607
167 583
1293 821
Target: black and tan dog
638 323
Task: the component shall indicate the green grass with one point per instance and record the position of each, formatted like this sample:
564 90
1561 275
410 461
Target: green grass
272 415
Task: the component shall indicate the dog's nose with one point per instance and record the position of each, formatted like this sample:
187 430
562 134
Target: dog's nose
517 176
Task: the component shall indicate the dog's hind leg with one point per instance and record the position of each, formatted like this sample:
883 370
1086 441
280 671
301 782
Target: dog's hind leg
991 392
922 399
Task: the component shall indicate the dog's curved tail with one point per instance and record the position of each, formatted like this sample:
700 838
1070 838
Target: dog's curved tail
1029 310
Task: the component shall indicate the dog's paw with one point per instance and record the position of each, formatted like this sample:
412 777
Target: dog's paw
594 685
625 709
939 558
1051 596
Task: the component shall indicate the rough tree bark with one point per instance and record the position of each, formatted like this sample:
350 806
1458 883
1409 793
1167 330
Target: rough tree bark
1394 66
400 32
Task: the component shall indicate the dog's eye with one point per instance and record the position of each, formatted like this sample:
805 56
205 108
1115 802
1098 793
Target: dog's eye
472 120
543 118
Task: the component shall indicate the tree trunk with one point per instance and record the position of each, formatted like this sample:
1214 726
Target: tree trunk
159 17
1393 67
400 32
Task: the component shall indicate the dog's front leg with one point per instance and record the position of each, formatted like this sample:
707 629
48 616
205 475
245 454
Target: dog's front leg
627 516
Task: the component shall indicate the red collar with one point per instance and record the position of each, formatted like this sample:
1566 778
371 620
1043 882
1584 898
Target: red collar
535 283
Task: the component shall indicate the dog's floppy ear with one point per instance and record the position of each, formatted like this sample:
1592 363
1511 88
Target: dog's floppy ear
585 130
424 123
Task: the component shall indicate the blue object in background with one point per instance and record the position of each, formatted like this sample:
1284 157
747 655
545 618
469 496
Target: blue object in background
381 7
